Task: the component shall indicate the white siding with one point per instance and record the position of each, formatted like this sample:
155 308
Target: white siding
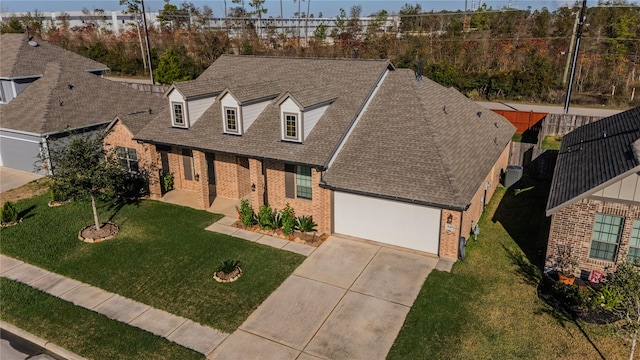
251 112
311 118
197 107
626 189
392 222
175 95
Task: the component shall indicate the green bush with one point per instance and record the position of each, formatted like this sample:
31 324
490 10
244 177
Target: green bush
288 218
9 212
306 224
57 193
167 182
246 214
267 218
228 266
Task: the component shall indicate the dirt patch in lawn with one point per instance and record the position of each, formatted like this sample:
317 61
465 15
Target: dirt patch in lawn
26 191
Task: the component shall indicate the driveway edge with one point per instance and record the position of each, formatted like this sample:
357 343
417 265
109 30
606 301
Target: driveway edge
48 347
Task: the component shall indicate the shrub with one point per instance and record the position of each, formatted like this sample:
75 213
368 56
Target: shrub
228 266
306 224
246 214
288 218
57 193
266 217
167 182
9 212
132 186
607 298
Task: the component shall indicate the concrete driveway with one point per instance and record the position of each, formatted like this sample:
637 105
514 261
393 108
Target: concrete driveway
348 300
12 178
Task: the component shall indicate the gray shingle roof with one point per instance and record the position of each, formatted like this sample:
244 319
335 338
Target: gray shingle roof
18 58
593 154
353 81
419 141
64 99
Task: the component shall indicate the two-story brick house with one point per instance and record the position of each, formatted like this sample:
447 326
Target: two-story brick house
368 150
594 202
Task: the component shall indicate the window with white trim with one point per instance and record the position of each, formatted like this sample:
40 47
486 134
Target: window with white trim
231 121
178 114
290 126
605 237
128 158
634 243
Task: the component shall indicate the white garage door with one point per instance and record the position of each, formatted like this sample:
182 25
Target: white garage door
18 153
392 222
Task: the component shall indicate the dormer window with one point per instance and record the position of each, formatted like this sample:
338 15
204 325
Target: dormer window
292 127
231 124
178 114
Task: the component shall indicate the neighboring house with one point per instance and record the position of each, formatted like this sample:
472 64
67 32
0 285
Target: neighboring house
594 201
55 92
367 149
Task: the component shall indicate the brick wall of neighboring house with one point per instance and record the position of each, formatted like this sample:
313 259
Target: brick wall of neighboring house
120 135
572 227
319 206
450 239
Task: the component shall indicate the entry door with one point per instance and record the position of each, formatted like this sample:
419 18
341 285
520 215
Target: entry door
211 173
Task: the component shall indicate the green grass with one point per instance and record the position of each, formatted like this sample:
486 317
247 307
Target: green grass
551 142
80 330
162 257
516 138
488 308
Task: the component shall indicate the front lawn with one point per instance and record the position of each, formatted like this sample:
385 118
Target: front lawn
488 308
82 331
162 257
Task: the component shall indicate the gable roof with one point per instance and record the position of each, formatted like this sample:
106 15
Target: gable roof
354 80
420 142
19 59
593 156
64 99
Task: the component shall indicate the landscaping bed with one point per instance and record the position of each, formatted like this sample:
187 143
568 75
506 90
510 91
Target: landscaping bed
161 256
312 239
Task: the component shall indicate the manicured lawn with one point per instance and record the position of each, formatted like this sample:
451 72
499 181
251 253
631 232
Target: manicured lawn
162 257
551 142
80 330
516 138
488 308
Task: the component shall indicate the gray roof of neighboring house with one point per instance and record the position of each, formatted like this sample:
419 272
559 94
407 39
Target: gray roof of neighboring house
64 99
594 154
420 141
353 81
19 59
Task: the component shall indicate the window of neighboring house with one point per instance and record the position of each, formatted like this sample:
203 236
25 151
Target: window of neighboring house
178 114
187 162
634 243
606 237
231 123
128 158
297 182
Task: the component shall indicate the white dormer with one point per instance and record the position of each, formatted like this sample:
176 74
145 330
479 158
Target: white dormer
238 116
186 110
298 118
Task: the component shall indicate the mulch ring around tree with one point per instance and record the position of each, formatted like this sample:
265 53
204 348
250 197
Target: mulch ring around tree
312 239
90 235
56 203
223 277
10 223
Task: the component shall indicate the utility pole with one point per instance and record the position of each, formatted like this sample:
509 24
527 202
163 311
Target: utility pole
146 35
573 41
575 56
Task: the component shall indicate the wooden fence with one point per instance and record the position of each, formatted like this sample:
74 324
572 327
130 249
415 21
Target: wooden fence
155 89
522 120
561 124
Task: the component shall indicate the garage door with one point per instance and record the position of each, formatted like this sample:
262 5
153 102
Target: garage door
19 154
392 222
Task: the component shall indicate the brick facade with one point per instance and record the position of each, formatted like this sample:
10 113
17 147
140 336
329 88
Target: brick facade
572 227
450 239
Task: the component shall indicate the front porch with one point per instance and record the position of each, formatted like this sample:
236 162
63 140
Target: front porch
220 205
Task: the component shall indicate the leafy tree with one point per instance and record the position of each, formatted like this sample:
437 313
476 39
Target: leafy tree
83 169
409 17
625 283
175 65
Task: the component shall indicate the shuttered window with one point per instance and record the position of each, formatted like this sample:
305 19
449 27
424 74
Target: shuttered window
290 181
187 162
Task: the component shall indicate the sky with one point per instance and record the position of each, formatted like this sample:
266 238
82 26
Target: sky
329 8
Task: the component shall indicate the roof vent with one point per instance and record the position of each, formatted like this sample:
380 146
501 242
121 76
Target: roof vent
60 102
70 86
604 134
444 109
419 71
495 140
149 110
495 124
479 113
33 43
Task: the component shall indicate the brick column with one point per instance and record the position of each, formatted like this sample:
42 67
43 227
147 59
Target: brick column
154 166
202 185
450 234
257 179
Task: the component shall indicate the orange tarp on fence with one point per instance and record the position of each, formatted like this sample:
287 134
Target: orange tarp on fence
522 120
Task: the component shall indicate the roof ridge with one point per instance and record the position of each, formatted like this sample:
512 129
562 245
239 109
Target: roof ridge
304 58
436 141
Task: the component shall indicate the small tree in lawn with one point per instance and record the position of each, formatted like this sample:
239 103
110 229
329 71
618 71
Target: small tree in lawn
625 285
84 169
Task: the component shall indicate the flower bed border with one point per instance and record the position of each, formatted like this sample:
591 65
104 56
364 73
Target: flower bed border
295 236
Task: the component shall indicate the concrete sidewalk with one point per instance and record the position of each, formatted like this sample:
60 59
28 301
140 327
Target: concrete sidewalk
348 300
182 331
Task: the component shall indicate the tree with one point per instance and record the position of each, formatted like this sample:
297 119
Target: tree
625 286
175 65
83 169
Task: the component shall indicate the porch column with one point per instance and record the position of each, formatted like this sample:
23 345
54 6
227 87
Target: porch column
200 175
154 166
257 179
